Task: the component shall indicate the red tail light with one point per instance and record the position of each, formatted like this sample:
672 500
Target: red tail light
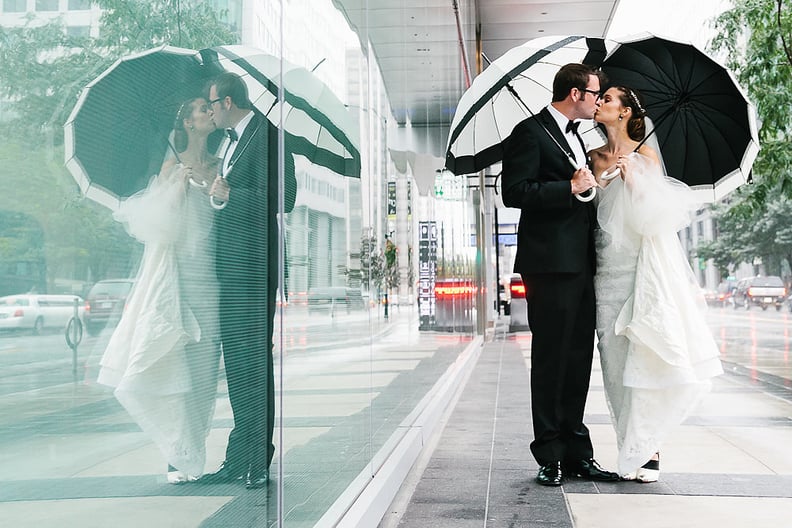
19 312
517 289
452 288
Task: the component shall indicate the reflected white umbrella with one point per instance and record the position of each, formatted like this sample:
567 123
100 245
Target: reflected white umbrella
317 124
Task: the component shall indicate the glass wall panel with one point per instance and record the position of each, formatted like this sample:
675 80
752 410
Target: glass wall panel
283 332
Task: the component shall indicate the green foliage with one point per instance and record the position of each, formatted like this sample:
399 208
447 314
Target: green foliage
746 233
392 277
372 263
755 37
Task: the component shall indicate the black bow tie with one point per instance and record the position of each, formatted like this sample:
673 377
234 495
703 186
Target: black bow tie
572 126
232 135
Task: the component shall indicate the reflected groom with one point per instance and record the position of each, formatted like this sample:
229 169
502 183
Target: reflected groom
246 192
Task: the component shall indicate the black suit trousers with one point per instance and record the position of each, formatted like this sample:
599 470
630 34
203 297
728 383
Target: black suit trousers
561 313
246 318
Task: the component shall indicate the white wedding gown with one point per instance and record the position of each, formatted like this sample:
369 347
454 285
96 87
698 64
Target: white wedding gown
656 350
163 356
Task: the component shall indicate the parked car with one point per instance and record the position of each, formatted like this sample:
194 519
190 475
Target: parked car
518 306
37 312
760 291
334 298
104 304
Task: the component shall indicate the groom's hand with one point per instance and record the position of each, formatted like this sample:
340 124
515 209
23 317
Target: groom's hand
582 180
220 189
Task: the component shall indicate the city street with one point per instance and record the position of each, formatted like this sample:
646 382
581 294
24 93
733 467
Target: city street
754 342
30 362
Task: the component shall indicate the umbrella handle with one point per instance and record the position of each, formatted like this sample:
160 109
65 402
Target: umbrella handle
216 205
196 183
607 176
587 198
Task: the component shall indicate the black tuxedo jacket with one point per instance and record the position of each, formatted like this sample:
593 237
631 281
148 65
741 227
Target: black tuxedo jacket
247 230
556 229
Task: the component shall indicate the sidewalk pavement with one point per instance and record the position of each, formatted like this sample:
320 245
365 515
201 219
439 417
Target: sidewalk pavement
728 465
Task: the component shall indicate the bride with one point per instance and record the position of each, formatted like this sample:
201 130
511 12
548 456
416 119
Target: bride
656 352
163 356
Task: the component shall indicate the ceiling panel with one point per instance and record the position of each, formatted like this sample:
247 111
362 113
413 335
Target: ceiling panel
417 47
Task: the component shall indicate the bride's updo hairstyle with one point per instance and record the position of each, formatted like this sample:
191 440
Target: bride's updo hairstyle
179 133
636 126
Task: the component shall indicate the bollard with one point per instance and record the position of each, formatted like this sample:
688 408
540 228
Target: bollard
74 334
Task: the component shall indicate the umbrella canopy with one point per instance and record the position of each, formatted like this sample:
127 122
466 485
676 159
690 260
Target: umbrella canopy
317 124
488 111
704 124
117 134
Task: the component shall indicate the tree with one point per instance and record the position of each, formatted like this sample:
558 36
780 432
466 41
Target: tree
372 266
392 278
50 69
744 234
756 36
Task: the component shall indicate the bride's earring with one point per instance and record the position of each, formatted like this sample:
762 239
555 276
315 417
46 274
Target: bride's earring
620 118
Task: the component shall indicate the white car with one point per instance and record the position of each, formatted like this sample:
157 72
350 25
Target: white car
35 312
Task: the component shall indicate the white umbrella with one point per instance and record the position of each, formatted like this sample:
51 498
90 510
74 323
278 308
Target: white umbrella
515 86
317 124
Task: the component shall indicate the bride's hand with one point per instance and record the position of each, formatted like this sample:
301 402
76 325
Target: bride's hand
623 164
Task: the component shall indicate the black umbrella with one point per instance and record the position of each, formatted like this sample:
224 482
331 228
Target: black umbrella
116 137
703 123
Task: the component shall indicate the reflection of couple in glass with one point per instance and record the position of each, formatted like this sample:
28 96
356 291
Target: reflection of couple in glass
207 277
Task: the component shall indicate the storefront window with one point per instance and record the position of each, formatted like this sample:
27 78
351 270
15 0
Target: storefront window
288 328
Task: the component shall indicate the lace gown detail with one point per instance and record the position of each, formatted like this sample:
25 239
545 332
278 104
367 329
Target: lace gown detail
163 357
656 352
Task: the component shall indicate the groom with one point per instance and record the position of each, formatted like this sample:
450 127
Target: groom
246 231
555 257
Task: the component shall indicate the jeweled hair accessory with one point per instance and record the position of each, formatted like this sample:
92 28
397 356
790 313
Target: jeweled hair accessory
636 102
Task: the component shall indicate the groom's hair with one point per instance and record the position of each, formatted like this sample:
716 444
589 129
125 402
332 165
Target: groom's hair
229 84
574 75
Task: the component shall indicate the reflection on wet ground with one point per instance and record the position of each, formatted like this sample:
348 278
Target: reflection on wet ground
754 340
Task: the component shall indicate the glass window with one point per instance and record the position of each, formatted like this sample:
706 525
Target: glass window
14 6
78 31
46 5
313 293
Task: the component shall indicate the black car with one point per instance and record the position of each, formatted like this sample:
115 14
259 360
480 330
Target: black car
104 304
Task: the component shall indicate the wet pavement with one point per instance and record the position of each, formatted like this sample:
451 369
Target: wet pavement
728 465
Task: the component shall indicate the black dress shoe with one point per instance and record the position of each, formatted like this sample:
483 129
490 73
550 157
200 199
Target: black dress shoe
225 474
256 478
549 474
590 469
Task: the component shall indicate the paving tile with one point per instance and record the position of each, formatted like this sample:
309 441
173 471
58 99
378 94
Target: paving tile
665 511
